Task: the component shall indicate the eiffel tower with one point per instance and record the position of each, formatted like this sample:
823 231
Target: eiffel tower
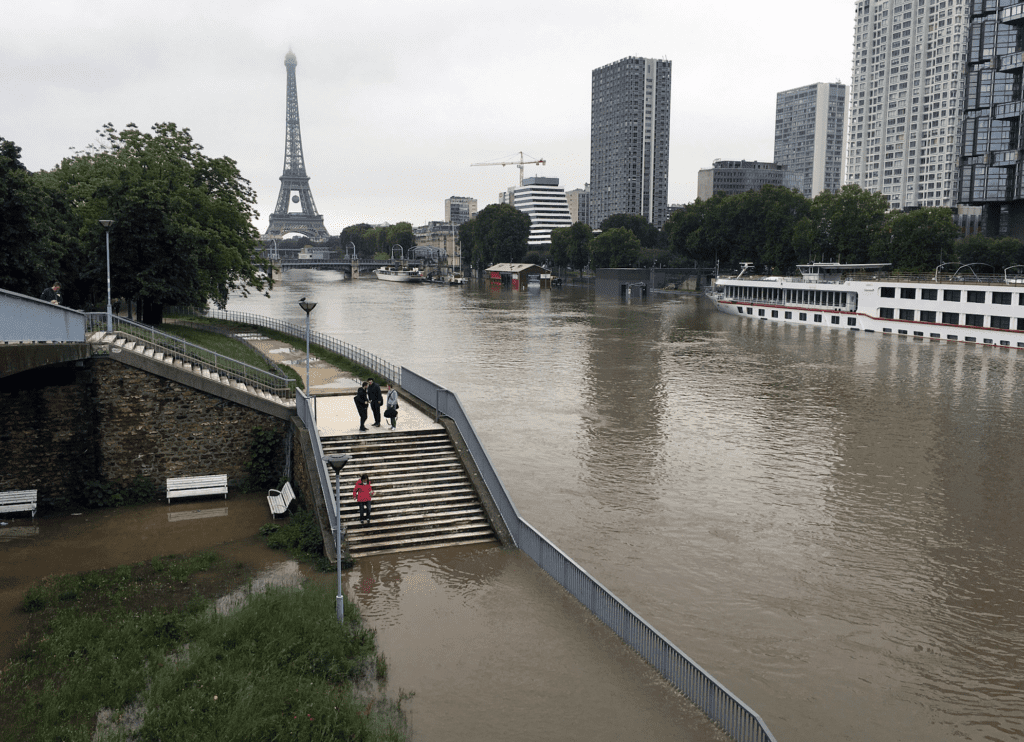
294 181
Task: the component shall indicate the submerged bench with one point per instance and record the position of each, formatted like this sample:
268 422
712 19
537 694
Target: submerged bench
216 484
279 502
17 501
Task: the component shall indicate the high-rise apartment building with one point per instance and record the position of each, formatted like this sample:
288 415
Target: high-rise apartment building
809 135
906 99
629 132
991 171
579 203
545 202
459 209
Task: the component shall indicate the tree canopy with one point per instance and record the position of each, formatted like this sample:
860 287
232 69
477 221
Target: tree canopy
616 248
498 234
183 229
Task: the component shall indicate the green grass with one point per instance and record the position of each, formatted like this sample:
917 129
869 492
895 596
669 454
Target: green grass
142 642
222 344
338 361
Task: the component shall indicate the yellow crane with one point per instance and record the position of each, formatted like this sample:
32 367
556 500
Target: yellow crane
519 163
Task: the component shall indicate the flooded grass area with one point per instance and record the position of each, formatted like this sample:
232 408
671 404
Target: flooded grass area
144 649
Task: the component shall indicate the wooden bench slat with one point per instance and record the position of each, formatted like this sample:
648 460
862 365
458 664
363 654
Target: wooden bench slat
16 501
216 484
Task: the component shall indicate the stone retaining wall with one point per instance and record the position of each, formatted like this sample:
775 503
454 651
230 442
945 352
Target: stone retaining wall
103 420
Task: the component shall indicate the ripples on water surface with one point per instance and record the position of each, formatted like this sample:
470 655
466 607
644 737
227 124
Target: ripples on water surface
829 522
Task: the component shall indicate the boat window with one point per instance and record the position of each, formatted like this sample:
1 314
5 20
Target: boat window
817 318
951 337
851 320
886 313
907 314
929 294
977 297
835 319
888 292
1000 297
999 323
1020 323
948 295
935 335
902 332
969 339
760 313
803 316
927 316
775 313
906 293
950 318
1004 342
918 334
974 320
789 315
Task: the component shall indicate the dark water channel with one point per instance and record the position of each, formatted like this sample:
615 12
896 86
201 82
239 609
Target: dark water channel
831 523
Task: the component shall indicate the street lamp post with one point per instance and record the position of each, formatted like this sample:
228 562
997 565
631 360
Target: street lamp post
307 307
105 223
337 461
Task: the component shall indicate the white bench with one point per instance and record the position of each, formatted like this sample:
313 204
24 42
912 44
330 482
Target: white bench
17 501
279 502
216 484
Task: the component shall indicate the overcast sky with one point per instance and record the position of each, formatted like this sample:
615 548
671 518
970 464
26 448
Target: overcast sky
398 98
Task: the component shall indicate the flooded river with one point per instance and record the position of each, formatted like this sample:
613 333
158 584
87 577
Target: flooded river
831 523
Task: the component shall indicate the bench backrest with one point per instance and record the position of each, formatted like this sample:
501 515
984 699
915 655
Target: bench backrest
18 496
287 492
191 483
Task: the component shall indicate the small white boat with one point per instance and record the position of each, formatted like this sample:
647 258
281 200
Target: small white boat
400 275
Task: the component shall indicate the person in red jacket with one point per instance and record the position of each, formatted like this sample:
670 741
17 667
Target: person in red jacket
363 492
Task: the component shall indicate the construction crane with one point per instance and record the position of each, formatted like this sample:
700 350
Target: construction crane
520 163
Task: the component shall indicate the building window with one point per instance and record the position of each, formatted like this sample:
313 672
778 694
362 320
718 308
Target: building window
974 320
950 318
999 323
886 313
907 314
888 292
1001 297
908 293
929 294
976 297
927 316
950 295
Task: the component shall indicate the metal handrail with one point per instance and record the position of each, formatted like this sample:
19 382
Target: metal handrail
186 352
307 413
737 719
379 366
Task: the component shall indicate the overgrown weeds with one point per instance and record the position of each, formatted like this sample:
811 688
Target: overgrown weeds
141 643
300 536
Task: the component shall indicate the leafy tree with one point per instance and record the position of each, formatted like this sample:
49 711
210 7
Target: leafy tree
999 252
647 233
29 260
183 222
616 248
356 234
849 223
916 241
571 245
497 234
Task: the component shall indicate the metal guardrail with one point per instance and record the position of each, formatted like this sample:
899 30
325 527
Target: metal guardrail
378 365
25 319
737 719
187 352
307 413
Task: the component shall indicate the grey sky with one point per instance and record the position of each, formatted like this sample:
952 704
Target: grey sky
397 99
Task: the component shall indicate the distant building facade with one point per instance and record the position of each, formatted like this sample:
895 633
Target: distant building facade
545 202
442 236
459 209
907 95
809 135
630 109
730 177
579 203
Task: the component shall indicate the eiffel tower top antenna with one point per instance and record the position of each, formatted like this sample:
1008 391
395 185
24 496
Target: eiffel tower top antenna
294 181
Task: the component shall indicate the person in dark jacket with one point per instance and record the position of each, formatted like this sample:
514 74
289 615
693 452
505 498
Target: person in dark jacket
376 400
363 492
362 404
53 294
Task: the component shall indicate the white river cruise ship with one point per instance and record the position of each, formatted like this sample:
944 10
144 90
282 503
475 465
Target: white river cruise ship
966 308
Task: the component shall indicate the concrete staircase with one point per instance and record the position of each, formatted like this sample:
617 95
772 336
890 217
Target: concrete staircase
121 343
423 498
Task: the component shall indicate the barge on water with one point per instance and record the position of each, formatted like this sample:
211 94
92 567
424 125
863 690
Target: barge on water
958 307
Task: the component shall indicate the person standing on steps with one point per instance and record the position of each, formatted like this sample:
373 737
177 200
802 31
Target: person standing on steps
391 413
376 400
362 404
363 492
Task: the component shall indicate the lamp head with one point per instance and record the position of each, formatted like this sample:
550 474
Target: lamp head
337 461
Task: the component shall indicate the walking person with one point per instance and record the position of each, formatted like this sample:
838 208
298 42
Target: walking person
391 413
53 294
376 400
362 405
363 492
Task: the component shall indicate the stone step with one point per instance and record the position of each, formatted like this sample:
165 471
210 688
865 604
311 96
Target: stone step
424 541
399 549
392 519
375 531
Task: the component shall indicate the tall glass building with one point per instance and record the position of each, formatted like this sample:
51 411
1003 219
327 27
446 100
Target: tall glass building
629 132
809 135
991 173
907 99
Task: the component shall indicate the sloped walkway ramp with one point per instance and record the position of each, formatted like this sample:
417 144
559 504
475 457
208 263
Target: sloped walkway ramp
423 497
